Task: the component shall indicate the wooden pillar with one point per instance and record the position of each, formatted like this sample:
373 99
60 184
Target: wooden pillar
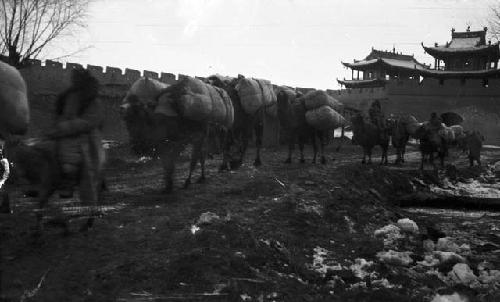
358 74
352 75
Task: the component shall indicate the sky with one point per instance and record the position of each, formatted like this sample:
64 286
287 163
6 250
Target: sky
300 43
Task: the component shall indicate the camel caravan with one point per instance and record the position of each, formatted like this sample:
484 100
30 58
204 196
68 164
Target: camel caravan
193 111
164 119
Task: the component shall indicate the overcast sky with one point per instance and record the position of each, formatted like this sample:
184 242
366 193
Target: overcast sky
292 42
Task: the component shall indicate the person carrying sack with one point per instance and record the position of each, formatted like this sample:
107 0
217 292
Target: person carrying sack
77 132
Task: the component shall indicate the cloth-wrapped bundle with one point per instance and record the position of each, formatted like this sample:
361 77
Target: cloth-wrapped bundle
447 133
458 131
318 98
255 94
412 124
14 109
321 110
324 118
198 101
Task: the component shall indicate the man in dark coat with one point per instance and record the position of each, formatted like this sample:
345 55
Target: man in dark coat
377 118
435 123
77 133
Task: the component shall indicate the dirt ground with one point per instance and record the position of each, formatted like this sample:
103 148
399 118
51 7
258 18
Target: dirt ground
274 233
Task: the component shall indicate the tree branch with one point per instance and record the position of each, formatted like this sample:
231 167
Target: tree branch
30 25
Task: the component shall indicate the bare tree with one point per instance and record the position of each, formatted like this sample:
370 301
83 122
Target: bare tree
28 26
494 22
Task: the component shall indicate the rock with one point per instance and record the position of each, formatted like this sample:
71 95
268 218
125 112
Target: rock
388 229
491 277
408 225
395 258
360 266
485 265
462 274
464 249
429 261
428 245
208 217
455 297
391 233
447 257
446 244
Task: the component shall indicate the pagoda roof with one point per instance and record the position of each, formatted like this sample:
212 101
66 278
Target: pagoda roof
486 73
387 64
387 60
362 83
468 42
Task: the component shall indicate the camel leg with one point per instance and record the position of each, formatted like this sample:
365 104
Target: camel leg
226 145
202 164
301 148
364 156
259 130
399 153
422 159
340 140
369 156
431 160
442 154
322 142
243 139
384 156
315 147
386 162
195 156
291 144
168 155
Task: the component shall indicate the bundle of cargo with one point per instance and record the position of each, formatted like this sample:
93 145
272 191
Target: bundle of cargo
321 110
197 101
447 133
255 94
317 98
458 131
14 109
324 118
412 125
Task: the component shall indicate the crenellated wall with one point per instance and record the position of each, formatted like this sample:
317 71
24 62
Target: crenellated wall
477 101
45 80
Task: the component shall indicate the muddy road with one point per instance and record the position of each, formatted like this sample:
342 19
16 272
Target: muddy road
298 232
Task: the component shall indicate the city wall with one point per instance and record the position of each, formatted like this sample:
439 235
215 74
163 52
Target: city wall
477 101
45 80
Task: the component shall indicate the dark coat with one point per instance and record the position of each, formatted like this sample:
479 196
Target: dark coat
80 117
